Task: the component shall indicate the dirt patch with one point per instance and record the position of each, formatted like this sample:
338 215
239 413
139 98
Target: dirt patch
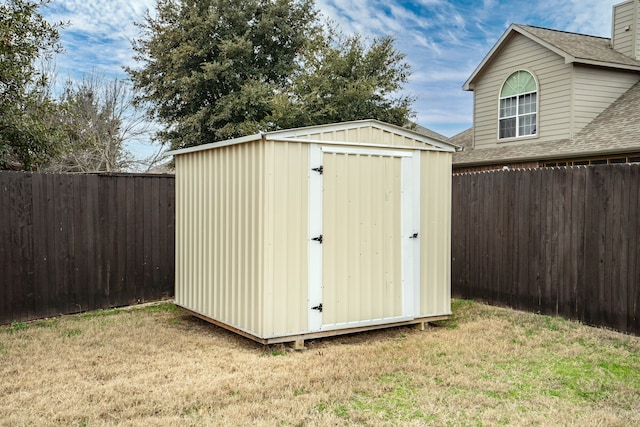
157 366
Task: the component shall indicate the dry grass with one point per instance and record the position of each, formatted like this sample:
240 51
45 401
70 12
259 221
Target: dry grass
156 366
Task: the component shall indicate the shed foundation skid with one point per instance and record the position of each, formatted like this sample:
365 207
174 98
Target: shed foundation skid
297 341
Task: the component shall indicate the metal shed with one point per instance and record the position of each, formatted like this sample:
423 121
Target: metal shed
316 231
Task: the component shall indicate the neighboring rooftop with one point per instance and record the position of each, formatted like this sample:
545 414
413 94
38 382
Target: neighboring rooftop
463 139
582 47
430 133
614 131
573 47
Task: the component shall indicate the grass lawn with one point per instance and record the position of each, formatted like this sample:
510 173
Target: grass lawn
156 366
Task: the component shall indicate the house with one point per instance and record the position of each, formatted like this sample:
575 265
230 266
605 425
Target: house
544 97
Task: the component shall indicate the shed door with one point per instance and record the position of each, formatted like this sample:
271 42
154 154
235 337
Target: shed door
369 216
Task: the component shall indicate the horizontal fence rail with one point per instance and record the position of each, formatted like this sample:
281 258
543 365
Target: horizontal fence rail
72 243
560 241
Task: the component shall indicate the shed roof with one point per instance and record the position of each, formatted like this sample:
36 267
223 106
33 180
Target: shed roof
614 131
573 47
432 141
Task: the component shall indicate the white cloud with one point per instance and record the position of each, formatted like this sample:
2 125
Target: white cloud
582 16
444 40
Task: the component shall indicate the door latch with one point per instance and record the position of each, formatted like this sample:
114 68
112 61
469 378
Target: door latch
414 236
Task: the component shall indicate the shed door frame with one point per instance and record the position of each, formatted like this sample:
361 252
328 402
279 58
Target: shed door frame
410 224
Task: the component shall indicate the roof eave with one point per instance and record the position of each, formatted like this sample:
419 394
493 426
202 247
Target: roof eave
607 64
513 28
468 85
293 134
552 156
217 144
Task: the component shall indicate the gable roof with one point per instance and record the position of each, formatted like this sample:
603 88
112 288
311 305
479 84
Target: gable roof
616 130
464 139
573 47
318 133
430 133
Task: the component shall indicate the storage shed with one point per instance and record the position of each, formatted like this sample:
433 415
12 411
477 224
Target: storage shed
316 231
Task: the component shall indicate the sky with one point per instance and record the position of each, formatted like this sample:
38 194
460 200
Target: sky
443 40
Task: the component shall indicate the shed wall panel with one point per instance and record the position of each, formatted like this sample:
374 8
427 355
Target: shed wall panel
218 245
435 226
286 240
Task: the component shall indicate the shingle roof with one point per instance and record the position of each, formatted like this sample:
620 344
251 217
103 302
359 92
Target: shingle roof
573 47
463 139
615 130
428 132
580 46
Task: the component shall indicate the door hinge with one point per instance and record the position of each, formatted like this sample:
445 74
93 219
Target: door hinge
318 239
317 307
318 169
414 236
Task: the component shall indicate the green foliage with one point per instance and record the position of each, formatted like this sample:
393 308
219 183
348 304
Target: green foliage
101 313
163 307
207 65
73 332
347 80
217 69
17 326
28 136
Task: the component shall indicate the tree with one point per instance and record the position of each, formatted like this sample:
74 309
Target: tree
27 135
98 119
346 80
209 67
217 69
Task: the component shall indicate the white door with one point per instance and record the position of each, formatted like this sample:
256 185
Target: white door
366 208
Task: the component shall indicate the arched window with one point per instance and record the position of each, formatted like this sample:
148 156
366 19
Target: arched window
518 106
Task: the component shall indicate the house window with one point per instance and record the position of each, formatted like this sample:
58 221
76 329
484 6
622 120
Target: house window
518 106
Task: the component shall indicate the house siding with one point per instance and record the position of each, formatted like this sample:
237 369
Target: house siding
625 14
595 89
554 91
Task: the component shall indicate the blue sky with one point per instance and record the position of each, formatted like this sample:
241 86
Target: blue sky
444 40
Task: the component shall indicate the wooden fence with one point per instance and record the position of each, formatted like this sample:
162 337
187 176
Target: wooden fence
71 243
555 241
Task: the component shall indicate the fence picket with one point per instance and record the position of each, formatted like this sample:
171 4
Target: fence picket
72 243
567 238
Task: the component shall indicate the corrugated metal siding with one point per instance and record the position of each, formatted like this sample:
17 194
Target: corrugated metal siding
286 274
219 234
595 89
361 229
435 250
242 215
364 134
554 91
623 16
